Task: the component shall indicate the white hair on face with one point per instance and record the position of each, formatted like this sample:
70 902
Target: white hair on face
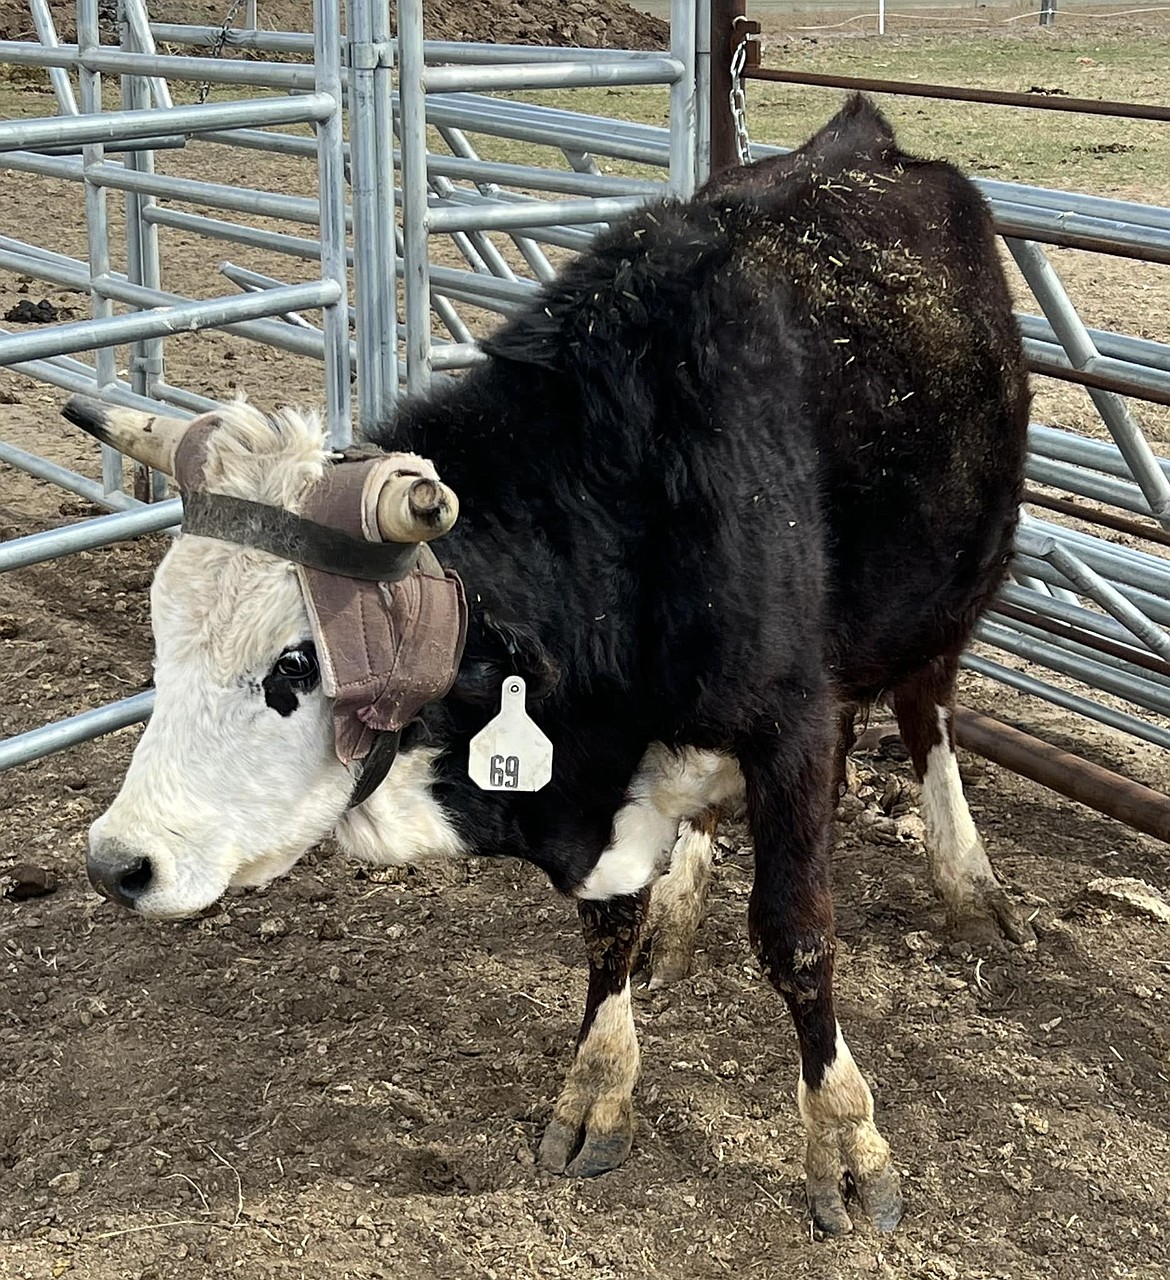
235 606
223 788
265 458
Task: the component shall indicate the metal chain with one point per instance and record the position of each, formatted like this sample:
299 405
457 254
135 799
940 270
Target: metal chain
217 45
743 143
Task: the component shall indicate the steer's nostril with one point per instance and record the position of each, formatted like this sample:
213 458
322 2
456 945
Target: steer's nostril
119 871
135 881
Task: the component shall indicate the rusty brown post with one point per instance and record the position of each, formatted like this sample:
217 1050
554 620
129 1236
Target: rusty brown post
728 23
1109 793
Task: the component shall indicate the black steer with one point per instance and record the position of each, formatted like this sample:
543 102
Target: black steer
751 461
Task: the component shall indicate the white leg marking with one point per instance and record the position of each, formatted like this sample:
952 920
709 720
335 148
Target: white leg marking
668 787
843 1097
594 1116
677 903
609 1054
958 862
838 1122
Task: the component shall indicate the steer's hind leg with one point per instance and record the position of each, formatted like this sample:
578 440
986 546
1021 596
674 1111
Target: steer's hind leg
975 901
593 1123
789 782
678 900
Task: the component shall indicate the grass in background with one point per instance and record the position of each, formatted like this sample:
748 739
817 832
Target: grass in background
1046 148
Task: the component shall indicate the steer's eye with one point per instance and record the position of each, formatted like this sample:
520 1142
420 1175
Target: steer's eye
298 666
295 671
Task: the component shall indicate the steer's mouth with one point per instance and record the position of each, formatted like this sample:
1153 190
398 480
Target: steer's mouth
260 872
160 886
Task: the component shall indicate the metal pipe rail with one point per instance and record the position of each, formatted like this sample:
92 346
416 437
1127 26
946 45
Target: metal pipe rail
1101 373
162 142
71 274
1062 612
59 736
1038 623
85 535
552 127
1098 516
522 216
1087 484
83 335
1120 346
1083 451
994 97
1155 607
53 473
550 75
1119 679
1080 231
1103 208
482 172
1118 797
215 195
1109 716
109 61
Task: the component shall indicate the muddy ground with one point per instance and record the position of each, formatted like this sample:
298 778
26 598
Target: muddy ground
346 1075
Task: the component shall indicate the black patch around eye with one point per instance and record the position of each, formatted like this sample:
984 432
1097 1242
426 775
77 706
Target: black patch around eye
294 672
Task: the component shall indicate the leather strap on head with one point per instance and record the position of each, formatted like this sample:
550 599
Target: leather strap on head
388 620
385 651
292 537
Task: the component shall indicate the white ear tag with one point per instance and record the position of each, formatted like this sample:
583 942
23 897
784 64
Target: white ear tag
510 753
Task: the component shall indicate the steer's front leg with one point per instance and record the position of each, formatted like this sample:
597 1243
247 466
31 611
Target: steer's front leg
592 1128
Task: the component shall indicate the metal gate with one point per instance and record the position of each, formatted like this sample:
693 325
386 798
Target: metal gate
1086 610
390 92
1092 613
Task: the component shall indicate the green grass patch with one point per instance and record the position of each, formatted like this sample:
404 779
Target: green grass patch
1046 148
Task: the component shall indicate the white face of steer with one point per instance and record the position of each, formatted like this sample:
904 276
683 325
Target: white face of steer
236 774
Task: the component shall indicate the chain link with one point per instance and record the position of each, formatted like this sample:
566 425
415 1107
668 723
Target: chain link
217 45
738 100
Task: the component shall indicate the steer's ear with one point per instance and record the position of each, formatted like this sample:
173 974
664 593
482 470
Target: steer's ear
496 650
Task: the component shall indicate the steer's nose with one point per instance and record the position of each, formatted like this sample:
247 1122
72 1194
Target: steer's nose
118 872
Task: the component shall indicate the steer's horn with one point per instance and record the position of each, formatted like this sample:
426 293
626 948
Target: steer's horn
415 509
145 437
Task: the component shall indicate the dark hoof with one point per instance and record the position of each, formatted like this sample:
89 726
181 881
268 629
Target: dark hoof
992 921
578 1153
600 1154
881 1198
826 1207
557 1147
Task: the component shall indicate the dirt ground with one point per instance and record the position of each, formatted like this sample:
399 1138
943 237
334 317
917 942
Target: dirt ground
604 23
346 1075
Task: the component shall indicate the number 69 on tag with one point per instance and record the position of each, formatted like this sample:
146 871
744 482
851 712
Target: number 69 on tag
510 753
504 772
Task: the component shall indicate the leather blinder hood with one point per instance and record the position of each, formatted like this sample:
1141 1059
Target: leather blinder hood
388 620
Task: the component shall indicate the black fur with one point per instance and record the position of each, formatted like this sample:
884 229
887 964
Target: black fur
748 456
